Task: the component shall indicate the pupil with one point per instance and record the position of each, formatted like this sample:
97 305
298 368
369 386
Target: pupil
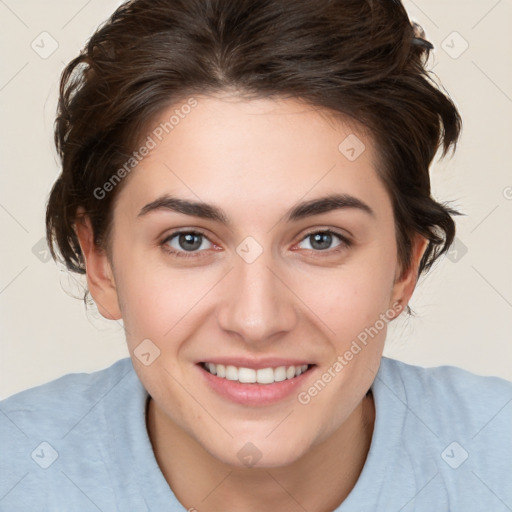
323 240
188 238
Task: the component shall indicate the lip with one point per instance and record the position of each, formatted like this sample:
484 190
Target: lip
255 394
256 364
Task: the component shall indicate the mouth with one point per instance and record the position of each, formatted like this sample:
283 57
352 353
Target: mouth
256 387
264 376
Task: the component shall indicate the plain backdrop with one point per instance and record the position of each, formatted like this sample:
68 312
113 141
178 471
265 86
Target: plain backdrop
463 307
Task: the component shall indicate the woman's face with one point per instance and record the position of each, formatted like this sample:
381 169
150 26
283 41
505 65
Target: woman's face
262 283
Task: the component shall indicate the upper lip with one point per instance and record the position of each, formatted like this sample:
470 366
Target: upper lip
256 364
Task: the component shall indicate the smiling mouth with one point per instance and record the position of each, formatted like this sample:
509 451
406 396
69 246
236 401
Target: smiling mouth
243 375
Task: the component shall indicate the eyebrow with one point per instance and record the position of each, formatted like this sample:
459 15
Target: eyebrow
302 210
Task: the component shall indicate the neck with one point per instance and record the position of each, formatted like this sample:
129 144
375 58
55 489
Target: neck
319 481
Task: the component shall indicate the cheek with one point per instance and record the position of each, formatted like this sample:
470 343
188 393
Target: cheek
157 300
144 289
349 298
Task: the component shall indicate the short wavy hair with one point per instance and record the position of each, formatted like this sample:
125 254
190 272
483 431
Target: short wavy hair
361 59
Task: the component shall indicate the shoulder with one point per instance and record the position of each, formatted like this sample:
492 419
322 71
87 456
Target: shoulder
451 399
438 378
453 426
57 434
70 391
55 405
448 389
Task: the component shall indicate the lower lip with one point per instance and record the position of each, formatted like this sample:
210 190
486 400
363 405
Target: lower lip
254 394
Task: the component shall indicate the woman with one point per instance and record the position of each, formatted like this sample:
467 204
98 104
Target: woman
246 186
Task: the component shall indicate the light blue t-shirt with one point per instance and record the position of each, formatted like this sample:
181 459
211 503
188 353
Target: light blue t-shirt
442 442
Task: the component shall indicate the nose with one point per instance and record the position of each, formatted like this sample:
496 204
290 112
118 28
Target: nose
257 303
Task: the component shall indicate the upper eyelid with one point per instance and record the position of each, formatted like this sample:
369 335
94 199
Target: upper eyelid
195 231
326 230
174 234
345 240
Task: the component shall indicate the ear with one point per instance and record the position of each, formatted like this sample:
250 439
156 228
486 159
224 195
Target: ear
100 278
404 286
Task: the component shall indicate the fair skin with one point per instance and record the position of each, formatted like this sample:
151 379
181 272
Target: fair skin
255 160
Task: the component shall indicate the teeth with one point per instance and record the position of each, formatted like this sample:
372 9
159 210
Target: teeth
250 375
221 369
280 374
263 376
246 375
231 373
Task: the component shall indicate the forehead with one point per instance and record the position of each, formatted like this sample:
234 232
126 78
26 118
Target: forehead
254 154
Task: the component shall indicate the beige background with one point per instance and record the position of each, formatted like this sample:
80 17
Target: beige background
464 306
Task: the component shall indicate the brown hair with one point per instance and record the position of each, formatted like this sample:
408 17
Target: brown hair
358 58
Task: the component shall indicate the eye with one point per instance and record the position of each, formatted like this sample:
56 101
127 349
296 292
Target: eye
185 243
192 243
321 241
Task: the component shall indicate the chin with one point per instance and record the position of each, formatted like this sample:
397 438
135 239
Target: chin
259 452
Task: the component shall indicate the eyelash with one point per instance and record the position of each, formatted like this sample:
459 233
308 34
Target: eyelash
345 243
